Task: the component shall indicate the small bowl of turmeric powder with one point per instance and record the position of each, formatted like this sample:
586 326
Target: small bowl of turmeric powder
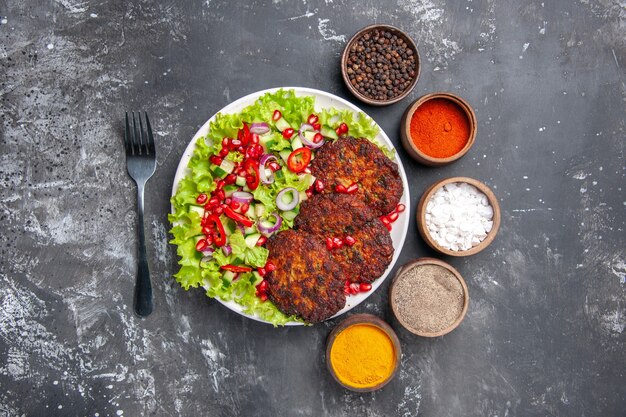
438 129
363 353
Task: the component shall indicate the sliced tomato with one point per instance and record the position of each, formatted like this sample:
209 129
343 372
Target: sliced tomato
235 268
240 218
299 159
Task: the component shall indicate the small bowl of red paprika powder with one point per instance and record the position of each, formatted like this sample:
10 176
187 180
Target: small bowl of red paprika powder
438 129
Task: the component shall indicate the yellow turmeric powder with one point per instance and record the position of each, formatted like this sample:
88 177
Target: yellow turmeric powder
362 356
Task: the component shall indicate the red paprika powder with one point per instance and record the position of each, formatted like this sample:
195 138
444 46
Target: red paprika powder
440 128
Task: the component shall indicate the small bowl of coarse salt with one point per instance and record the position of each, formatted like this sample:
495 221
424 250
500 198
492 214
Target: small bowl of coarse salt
458 216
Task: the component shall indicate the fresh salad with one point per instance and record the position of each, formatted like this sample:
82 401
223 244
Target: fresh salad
246 180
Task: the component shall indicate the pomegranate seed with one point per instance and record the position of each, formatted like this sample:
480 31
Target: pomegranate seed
225 142
273 166
340 188
277 115
353 188
317 138
262 286
245 207
288 133
355 288
223 153
230 179
240 148
206 231
269 267
219 210
263 297
338 132
400 208
261 241
215 160
329 243
385 220
214 202
201 199
388 226
235 143
312 119
234 205
202 245
254 139
261 271
393 216
346 290
319 186
209 240
337 242
349 240
343 129
220 194
317 126
220 184
227 201
365 287
309 193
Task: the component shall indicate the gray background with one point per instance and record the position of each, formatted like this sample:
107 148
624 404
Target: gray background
544 334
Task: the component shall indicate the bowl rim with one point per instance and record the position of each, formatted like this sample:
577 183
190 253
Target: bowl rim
421 216
344 60
372 320
414 264
406 127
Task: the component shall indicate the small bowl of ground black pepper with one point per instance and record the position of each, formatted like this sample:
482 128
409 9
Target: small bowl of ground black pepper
429 297
380 65
438 129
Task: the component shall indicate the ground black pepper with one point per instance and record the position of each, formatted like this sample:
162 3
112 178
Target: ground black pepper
380 65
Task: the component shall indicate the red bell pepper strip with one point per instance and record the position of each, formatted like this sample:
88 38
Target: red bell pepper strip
238 217
251 166
219 236
299 159
235 268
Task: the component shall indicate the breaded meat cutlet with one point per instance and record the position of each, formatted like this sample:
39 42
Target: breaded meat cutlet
306 281
369 257
333 214
349 160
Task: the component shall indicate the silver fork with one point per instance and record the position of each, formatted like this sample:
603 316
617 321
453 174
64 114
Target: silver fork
140 163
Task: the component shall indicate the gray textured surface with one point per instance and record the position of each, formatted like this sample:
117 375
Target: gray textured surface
544 334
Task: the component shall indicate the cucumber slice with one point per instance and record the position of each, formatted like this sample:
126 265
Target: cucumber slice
259 210
197 209
256 278
250 230
230 189
279 174
285 155
290 215
229 225
282 124
252 239
310 134
228 276
296 143
219 172
327 132
237 260
227 165
240 181
251 213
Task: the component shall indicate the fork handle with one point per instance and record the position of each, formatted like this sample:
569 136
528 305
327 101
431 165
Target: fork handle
143 285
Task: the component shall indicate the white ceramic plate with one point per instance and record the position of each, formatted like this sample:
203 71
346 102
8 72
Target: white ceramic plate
322 100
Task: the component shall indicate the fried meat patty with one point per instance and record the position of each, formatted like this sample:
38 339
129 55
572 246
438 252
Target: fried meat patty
306 281
333 214
349 160
369 257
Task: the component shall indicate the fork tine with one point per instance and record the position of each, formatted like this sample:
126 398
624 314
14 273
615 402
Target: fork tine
151 149
136 138
142 136
127 143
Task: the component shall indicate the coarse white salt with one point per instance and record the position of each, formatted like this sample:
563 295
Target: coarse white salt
459 216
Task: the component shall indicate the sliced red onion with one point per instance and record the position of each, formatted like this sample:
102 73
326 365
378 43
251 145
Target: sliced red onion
305 127
265 179
267 228
208 254
242 197
259 128
292 204
227 250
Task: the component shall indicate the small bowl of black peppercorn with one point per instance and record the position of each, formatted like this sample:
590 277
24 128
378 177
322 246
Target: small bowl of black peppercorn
380 65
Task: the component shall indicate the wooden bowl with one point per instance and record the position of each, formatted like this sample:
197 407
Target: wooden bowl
421 216
373 321
416 263
405 129
344 65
